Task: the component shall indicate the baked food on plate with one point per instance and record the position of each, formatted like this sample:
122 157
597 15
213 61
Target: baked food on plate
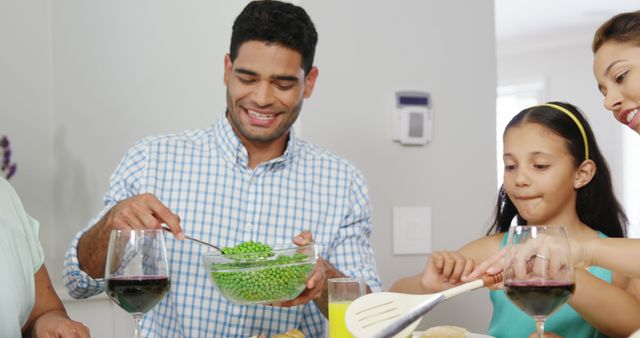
445 331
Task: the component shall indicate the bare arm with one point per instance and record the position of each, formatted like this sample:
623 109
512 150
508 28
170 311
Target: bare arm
609 308
137 212
317 285
621 255
48 317
322 301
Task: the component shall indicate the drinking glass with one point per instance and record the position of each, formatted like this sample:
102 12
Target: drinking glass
538 274
136 271
342 291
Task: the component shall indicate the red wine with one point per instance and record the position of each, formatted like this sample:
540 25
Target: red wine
539 298
137 294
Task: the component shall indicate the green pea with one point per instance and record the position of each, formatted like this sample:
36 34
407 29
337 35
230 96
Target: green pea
261 280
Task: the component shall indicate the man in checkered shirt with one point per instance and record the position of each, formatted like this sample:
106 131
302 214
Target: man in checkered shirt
248 177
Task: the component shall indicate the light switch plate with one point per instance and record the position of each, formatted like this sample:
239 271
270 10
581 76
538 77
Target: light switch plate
411 230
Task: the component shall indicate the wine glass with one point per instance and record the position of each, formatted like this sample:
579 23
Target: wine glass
538 274
136 271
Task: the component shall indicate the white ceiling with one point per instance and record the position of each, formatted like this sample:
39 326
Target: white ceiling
517 19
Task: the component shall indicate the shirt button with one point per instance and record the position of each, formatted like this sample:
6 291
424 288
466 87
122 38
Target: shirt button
249 226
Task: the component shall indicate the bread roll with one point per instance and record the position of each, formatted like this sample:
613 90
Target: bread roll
446 331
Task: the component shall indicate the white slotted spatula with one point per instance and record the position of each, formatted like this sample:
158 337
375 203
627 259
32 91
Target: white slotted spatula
391 314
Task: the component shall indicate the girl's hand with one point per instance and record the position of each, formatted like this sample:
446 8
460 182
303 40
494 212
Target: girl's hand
445 269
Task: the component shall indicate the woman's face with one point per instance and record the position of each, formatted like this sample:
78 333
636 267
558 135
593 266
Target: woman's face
616 67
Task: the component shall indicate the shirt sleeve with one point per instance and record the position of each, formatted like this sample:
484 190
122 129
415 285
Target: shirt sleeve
30 226
125 182
353 254
37 253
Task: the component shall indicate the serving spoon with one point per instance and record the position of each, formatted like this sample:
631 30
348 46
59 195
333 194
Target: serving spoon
391 314
166 228
243 257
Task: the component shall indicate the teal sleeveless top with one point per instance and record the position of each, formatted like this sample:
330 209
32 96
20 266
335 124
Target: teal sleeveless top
509 321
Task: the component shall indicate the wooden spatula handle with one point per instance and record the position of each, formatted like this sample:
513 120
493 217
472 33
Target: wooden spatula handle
489 280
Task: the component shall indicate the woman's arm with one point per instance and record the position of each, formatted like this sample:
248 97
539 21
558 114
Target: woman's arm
48 317
609 308
617 254
621 255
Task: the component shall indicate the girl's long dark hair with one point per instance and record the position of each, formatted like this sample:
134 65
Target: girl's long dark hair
596 204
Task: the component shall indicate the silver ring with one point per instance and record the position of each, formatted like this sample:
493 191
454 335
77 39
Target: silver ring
544 258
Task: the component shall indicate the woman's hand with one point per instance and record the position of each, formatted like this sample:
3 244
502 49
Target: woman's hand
490 266
56 324
549 252
48 318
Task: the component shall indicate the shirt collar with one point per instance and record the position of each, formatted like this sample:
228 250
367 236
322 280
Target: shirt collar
233 149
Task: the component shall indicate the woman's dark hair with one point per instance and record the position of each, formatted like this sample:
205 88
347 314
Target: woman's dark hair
596 204
624 27
276 22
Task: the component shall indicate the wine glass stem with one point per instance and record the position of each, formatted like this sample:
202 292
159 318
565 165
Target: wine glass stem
540 328
137 318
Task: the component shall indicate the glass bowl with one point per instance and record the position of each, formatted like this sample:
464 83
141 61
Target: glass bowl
277 278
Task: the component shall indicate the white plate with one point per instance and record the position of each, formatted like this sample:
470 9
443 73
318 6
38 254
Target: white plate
471 335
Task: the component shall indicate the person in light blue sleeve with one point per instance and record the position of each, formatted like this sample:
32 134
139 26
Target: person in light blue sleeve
247 178
28 305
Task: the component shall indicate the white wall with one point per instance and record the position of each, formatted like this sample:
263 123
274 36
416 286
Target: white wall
365 53
122 70
26 105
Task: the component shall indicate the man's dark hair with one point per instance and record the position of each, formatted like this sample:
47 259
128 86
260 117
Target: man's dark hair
276 22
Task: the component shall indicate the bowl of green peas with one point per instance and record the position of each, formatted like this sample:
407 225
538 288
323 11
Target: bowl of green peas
256 273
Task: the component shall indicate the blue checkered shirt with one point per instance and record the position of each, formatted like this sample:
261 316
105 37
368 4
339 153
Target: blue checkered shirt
202 175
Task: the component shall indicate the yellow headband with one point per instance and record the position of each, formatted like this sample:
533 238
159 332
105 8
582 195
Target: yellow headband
575 119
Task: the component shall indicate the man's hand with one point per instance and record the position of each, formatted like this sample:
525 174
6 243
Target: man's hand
317 289
315 283
142 212
138 212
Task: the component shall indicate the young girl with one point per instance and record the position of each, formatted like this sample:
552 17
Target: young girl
616 66
554 174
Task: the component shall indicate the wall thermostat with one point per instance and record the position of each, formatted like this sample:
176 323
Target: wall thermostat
413 118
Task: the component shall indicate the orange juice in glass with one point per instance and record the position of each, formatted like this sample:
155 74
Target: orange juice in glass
342 291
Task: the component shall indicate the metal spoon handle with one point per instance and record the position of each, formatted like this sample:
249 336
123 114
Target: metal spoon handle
166 228
202 242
